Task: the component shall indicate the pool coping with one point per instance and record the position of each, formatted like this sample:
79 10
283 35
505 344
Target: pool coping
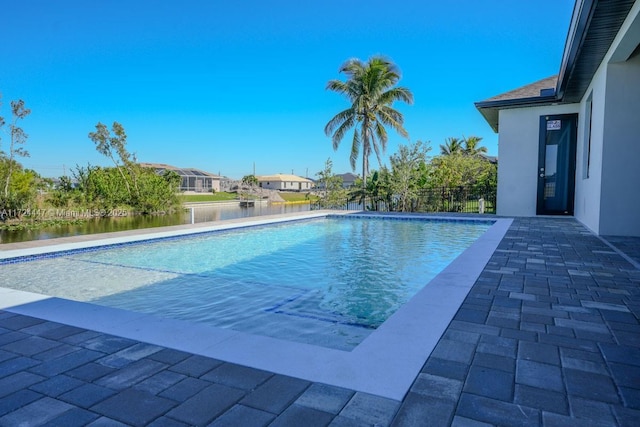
384 364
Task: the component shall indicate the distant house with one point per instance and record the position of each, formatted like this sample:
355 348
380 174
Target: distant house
194 180
228 184
491 159
348 179
284 182
568 144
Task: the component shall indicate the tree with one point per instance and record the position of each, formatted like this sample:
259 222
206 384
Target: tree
17 138
452 145
22 188
102 189
407 167
472 146
109 145
333 194
128 184
371 89
158 193
328 180
462 171
250 180
377 189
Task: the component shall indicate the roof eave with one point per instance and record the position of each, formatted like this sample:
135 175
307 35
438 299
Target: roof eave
517 102
582 14
594 26
490 109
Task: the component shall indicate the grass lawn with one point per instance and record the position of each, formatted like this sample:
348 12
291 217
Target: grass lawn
294 197
220 196
223 196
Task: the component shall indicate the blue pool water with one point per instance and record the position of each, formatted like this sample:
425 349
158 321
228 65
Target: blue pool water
328 281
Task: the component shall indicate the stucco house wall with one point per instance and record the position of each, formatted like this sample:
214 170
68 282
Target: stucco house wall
286 185
607 198
518 143
284 182
589 159
620 204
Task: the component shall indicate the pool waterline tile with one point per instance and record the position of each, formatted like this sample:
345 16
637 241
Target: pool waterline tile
384 364
132 237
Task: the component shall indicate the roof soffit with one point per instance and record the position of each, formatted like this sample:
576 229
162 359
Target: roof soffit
595 29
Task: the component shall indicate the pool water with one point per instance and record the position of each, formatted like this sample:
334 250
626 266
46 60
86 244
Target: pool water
328 281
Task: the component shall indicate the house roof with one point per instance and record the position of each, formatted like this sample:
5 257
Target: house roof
541 92
160 167
490 159
348 176
594 25
282 177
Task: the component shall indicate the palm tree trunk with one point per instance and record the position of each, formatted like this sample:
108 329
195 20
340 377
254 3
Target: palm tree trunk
365 153
364 171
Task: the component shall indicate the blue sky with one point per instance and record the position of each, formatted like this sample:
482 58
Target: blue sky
221 85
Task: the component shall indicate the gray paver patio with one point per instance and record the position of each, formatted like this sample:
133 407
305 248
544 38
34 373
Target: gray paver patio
548 335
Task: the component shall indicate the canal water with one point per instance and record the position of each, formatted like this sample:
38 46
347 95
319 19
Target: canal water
105 225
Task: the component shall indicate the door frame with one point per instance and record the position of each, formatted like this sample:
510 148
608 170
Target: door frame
571 167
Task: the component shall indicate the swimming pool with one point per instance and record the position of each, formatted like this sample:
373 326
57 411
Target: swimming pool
328 281
384 364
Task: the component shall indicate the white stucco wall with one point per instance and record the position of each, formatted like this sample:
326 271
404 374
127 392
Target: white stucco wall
620 204
518 144
587 198
608 201
286 185
271 185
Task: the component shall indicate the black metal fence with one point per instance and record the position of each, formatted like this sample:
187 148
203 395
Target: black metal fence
455 199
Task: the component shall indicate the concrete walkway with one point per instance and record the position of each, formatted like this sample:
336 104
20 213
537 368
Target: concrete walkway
549 335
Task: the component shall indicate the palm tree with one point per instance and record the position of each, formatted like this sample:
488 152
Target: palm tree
371 89
451 146
472 147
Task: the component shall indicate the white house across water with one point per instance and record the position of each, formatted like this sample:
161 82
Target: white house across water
570 144
284 182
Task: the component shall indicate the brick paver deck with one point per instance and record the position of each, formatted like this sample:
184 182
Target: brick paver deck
549 335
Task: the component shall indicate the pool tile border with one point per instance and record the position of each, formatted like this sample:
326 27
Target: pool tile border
24 255
384 364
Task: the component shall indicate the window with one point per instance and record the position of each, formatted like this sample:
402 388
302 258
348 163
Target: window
586 149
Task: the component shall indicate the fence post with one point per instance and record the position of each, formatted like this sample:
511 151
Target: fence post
481 205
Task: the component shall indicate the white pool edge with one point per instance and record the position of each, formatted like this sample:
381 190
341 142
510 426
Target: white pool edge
384 364
149 234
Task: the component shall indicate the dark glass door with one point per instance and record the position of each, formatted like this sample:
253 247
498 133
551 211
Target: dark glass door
557 164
